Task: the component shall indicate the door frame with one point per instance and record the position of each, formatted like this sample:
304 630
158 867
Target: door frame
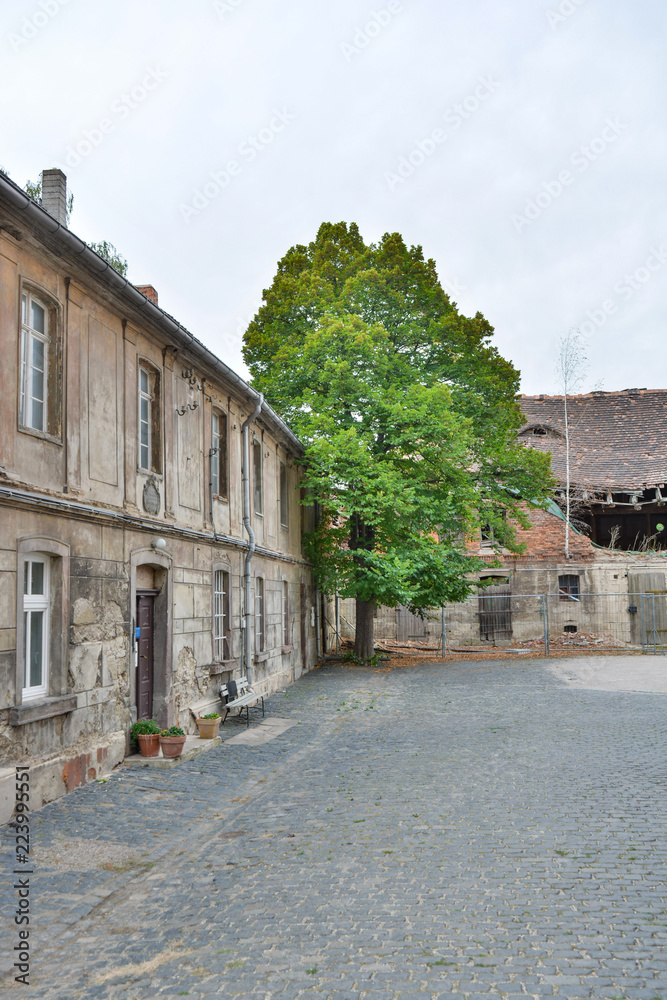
152 594
163 701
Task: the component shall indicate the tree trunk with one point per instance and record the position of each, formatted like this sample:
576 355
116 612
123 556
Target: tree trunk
364 641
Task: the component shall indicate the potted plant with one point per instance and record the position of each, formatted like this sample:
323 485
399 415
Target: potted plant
147 734
208 725
172 741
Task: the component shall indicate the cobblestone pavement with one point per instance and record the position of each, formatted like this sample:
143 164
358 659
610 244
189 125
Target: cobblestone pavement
465 830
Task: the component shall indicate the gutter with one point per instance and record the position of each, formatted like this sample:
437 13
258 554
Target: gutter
245 477
166 323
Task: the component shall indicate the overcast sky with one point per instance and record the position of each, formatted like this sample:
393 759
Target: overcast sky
522 143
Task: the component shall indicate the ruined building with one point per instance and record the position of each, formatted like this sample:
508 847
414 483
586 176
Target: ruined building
610 586
124 553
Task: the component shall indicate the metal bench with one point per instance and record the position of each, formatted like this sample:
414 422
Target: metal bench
239 694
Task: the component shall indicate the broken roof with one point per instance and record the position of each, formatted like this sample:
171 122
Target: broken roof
618 440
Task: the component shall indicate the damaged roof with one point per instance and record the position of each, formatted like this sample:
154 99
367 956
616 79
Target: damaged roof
618 440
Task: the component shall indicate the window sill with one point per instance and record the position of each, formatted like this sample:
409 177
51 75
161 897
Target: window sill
42 435
261 657
41 708
223 667
286 649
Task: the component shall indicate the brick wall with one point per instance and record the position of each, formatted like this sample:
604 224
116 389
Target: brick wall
546 540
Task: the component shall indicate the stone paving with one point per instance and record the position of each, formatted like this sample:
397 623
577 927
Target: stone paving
459 830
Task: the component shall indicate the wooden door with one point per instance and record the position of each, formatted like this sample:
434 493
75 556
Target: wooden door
145 656
409 626
495 612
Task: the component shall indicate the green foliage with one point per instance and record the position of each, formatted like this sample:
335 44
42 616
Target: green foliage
211 715
34 190
108 252
172 731
144 727
351 657
408 413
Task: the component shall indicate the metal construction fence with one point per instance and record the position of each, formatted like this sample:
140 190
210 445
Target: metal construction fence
543 623
555 622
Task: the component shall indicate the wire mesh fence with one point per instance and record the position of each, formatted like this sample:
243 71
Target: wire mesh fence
555 622
542 623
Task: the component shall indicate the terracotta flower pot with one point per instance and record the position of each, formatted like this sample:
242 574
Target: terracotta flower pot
172 746
149 745
208 728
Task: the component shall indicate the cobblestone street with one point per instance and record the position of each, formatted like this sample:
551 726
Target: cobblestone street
458 830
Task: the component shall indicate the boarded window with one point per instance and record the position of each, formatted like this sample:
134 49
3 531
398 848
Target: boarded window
257 476
286 628
284 497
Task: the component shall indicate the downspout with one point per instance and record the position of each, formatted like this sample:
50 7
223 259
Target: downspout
211 453
245 479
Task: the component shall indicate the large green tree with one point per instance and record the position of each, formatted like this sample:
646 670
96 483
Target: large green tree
408 414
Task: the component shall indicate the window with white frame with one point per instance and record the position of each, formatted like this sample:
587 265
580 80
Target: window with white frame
149 420
34 363
145 418
219 454
221 650
257 476
284 497
260 631
286 628
36 609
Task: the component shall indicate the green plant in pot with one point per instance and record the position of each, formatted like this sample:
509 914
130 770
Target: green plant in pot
147 734
172 741
208 725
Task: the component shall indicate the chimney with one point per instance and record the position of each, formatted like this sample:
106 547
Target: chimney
149 292
54 194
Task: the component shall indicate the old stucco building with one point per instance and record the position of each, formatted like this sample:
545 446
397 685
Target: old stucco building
124 558
610 585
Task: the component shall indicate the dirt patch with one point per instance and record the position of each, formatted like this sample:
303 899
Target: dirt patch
76 854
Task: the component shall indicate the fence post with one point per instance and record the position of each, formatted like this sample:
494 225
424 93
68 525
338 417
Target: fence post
641 603
337 623
655 629
545 619
442 626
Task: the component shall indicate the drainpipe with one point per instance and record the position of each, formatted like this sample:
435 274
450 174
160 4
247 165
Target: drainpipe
211 453
245 479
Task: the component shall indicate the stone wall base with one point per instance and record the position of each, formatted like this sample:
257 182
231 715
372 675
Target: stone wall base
50 779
